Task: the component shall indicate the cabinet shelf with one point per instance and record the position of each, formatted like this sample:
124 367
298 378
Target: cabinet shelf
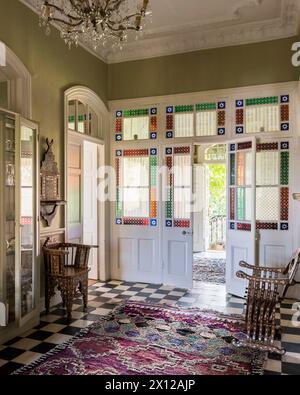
19 261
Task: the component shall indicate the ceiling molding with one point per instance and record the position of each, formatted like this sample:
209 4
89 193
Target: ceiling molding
209 34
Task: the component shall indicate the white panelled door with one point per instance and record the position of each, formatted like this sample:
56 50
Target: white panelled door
177 240
241 230
75 198
136 232
90 204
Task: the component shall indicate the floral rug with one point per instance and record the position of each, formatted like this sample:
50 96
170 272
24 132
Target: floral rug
209 270
145 339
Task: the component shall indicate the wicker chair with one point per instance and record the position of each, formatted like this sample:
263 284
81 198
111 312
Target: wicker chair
267 287
66 266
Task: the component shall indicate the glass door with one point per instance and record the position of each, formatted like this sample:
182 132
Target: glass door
8 270
28 217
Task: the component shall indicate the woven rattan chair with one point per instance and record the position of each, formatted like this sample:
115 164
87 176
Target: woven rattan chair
267 287
66 267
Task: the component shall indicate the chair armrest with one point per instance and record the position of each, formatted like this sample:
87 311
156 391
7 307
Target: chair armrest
275 281
246 265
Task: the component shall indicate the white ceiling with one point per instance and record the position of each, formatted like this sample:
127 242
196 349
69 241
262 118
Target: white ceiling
180 26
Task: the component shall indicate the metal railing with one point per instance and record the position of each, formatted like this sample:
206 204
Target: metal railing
217 227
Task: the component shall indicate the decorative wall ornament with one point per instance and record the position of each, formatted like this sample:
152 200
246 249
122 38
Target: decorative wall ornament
50 179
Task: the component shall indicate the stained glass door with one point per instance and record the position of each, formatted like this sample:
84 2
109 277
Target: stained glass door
177 198
241 186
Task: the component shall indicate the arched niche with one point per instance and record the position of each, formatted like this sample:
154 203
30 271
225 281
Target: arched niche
17 79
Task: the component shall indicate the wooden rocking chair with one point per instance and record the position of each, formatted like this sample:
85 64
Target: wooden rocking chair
263 297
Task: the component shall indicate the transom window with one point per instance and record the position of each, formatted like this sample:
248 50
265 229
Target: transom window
201 120
82 118
140 124
265 114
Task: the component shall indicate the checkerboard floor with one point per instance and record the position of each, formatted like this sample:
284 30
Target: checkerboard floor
54 329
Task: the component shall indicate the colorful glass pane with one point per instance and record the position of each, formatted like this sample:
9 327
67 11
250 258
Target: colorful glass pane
244 204
184 108
244 168
232 169
262 100
284 168
284 204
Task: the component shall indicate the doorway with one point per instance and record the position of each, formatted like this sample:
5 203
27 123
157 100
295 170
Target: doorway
84 212
209 243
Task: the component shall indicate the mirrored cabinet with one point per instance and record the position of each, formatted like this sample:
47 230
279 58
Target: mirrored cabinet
19 211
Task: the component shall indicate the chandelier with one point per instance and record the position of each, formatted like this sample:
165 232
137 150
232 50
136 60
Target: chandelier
95 22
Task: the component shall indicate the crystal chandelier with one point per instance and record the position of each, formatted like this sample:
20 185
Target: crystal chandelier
95 22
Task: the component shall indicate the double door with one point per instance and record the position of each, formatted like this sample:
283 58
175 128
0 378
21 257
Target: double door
152 233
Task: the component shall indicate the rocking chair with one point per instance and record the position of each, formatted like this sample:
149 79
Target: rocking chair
263 297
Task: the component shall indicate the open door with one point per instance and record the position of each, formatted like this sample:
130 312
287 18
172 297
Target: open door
177 241
241 187
75 170
90 204
200 211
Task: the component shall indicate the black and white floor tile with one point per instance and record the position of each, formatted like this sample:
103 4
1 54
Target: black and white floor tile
54 329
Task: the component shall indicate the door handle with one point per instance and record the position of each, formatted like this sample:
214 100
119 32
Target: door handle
185 233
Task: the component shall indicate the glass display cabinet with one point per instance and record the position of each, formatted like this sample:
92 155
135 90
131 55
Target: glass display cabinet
19 225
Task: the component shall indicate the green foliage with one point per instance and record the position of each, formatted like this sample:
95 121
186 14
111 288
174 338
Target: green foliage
217 189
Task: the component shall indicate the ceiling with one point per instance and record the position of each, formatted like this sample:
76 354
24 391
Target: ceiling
180 26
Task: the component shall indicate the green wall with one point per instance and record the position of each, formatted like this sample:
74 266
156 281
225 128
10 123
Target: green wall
237 66
53 69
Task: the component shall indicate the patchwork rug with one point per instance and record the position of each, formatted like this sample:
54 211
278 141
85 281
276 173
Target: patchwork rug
145 339
209 270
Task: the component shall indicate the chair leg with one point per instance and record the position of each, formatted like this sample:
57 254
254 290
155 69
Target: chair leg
84 292
49 292
67 294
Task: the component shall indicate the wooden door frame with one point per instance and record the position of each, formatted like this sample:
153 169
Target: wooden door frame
100 206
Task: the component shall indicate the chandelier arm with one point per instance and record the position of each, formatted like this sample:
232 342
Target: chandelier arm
62 11
65 22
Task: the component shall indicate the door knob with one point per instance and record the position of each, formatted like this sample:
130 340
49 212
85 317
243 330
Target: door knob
185 233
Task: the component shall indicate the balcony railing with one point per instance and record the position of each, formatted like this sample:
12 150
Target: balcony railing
217 227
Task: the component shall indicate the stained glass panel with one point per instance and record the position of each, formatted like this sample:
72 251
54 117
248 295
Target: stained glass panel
267 168
267 204
136 128
284 168
206 123
244 168
184 124
232 169
244 204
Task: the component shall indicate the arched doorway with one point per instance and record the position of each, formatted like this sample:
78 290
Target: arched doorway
86 124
